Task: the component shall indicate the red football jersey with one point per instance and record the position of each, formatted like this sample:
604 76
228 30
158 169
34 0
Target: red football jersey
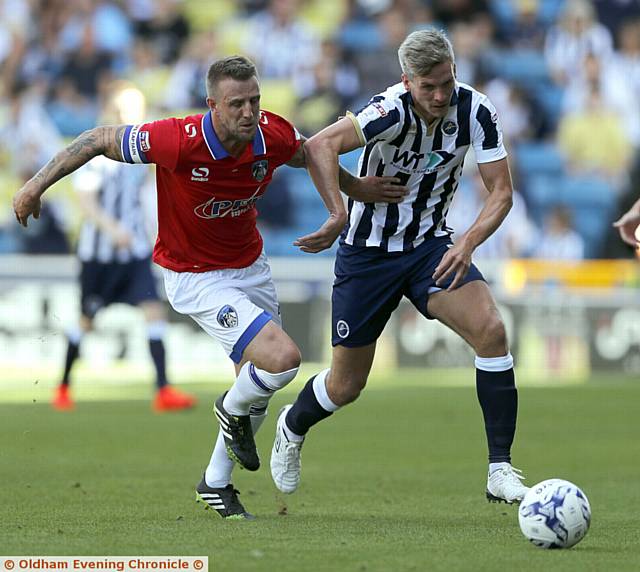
206 198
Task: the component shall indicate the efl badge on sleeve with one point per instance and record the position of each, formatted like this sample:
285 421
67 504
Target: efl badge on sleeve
259 170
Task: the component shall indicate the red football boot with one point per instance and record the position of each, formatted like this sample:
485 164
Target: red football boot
168 398
62 399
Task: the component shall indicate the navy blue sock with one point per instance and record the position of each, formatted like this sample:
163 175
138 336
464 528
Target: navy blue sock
306 411
156 347
498 398
73 350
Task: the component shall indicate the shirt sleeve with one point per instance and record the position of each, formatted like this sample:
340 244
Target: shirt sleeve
291 141
379 119
156 142
486 133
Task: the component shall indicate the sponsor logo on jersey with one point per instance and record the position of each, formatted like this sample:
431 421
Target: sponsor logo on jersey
227 317
190 128
145 145
449 127
342 328
381 110
414 163
200 174
218 209
259 170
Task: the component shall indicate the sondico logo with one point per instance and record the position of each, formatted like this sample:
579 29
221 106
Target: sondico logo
200 174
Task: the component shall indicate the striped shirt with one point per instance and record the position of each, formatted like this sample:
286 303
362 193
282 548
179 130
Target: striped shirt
118 187
428 159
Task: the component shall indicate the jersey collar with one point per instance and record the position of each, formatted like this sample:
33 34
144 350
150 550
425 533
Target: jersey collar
215 147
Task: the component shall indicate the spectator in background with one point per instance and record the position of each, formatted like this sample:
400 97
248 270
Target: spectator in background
31 137
594 141
280 43
163 24
515 108
448 12
378 67
576 34
614 13
613 86
185 88
88 67
559 240
625 63
526 31
326 90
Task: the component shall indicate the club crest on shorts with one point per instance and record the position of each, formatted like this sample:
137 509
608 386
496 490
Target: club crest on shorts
342 328
449 127
259 170
227 317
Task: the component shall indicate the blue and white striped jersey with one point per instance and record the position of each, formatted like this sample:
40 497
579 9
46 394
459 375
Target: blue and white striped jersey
428 158
118 187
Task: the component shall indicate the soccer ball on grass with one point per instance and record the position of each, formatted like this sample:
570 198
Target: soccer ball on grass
554 514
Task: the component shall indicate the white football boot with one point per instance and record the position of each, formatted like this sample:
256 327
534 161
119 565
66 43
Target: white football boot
285 457
505 485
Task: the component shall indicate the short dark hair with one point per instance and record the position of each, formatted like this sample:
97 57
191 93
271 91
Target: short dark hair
235 67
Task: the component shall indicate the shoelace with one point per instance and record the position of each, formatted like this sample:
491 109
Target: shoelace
292 455
513 476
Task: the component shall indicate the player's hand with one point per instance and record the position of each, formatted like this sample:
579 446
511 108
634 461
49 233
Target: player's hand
121 237
324 237
456 262
26 202
628 226
378 190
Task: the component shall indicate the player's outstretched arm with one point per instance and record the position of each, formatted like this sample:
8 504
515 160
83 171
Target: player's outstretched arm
628 225
105 140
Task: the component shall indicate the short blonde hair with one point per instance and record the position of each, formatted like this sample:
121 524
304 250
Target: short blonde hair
422 50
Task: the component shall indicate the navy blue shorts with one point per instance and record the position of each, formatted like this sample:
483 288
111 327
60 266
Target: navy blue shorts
115 282
370 283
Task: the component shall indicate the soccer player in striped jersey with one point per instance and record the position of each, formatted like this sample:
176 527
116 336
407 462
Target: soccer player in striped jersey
418 131
211 169
115 255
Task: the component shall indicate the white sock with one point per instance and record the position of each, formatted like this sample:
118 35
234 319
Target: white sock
218 473
493 467
244 392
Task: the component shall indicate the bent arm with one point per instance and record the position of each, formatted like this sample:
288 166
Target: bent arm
105 140
322 152
497 180
457 260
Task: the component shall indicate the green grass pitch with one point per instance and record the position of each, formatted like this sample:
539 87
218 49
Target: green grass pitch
392 483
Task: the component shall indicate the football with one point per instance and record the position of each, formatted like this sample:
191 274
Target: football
554 514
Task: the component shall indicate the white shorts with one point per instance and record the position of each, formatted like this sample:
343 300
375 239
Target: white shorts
231 305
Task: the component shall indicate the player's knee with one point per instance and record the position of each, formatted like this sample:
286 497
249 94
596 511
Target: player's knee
346 388
287 358
492 338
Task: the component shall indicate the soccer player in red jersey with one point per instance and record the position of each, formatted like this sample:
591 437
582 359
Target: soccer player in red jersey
211 170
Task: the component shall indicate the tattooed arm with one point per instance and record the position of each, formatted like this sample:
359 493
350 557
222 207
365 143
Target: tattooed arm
106 140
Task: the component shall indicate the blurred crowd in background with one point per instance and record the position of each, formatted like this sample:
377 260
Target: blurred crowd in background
564 76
